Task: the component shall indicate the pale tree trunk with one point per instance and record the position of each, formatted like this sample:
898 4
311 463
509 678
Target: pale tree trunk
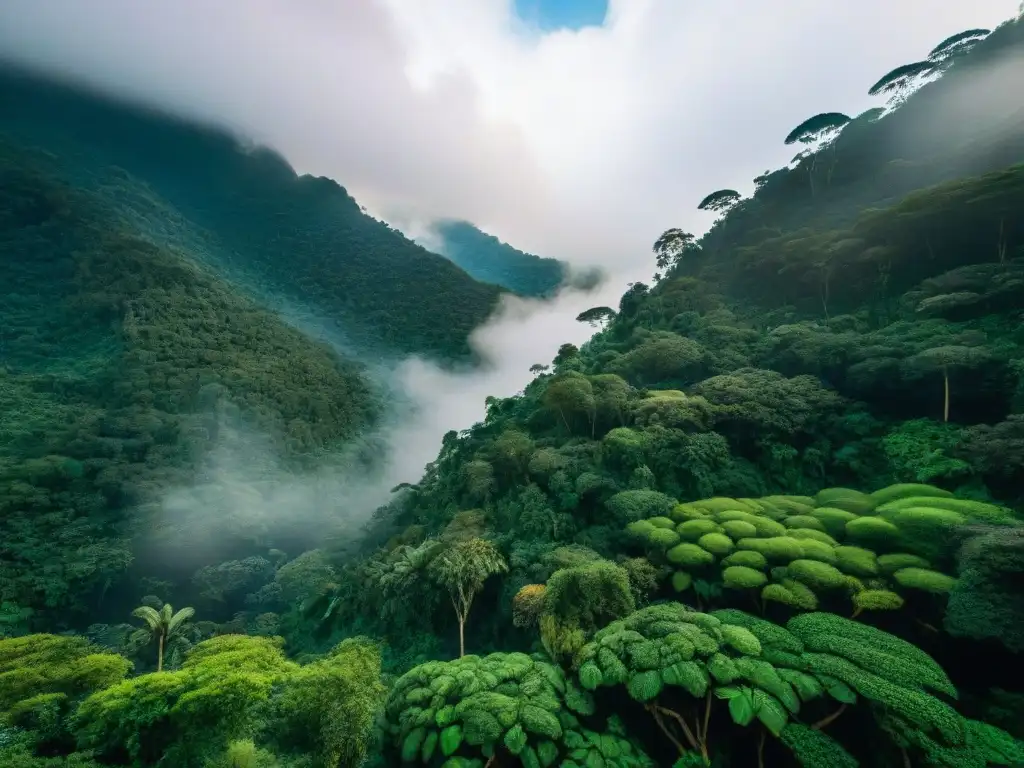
160 654
462 602
945 405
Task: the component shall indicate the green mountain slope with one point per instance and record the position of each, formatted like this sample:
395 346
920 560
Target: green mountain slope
246 213
120 363
155 274
488 259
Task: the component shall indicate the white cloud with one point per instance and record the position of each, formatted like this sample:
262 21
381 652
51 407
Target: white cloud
580 145
583 145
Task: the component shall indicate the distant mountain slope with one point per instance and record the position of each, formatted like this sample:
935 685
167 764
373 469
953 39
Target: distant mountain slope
487 258
121 363
246 213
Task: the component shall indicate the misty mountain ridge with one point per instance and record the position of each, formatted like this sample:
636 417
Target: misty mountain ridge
243 211
490 260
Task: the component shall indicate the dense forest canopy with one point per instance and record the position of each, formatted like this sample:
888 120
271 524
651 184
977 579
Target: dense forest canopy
771 513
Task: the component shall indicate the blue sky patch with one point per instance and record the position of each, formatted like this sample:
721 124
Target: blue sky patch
549 15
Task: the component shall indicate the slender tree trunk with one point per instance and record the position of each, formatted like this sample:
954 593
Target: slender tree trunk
462 637
945 405
160 654
829 719
562 414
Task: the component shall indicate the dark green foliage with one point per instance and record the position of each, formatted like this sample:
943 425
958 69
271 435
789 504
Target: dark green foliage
130 364
721 200
958 44
899 78
816 127
987 600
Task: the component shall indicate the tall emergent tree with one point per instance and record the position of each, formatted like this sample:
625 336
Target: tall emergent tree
672 246
462 569
902 81
721 200
164 625
817 133
945 359
595 315
957 45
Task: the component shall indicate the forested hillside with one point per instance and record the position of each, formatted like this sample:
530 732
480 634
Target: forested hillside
771 514
488 259
246 214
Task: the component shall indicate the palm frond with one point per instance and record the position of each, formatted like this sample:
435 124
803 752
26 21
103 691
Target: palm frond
180 618
148 615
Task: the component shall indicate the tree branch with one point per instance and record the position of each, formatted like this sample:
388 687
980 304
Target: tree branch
828 719
661 724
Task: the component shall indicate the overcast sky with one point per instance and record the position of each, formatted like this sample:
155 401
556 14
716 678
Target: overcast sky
579 145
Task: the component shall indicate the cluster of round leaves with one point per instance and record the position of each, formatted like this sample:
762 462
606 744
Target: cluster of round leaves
766 672
795 549
457 714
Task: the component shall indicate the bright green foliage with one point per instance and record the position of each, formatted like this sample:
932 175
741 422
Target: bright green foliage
579 600
689 556
791 593
513 701
681 581
876 600
924 579
243 753
816 575
847 545
898 560
165 627
692 530
908 491
742 577
834 520
716 543
746 558
43 677
190 713
815 749
848 499
326 709
969 509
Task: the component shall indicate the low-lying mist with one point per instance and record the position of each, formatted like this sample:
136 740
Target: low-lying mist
246 501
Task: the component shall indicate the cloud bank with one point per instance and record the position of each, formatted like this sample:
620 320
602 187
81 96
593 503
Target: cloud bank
582 146
579 145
